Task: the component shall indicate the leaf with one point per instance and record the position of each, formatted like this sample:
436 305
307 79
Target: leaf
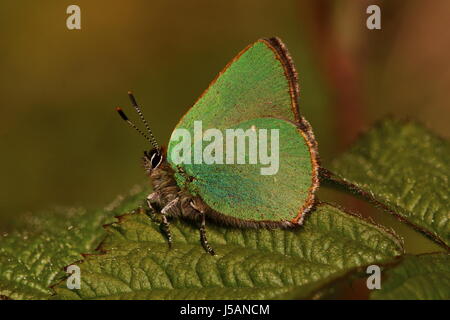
406 169
250 264
424 277
33 257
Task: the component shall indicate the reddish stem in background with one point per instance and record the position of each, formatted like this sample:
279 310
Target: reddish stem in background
342 72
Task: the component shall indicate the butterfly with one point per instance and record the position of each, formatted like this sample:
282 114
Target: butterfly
257 91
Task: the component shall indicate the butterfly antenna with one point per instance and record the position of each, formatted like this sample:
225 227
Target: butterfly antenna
131 124
141 115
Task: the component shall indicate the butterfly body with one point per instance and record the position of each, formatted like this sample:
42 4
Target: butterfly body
257 92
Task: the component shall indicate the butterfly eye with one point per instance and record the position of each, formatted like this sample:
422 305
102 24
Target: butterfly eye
156 160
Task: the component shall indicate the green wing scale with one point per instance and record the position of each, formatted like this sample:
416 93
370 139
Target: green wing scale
256 90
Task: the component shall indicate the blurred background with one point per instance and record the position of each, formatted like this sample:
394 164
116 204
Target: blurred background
62 142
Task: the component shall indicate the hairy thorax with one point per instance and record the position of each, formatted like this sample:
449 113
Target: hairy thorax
176 201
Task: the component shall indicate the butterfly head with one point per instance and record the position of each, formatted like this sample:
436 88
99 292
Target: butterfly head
154 157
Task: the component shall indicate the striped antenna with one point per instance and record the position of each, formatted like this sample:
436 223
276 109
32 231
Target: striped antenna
141 115
131 124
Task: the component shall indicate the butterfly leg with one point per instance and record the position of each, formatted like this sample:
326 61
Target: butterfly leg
203 238
165 226
153 200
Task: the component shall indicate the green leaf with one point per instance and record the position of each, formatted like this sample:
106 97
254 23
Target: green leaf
424 277
250 264
406 169
33 257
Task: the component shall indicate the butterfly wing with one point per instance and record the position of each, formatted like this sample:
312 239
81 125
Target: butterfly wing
259 82
256 90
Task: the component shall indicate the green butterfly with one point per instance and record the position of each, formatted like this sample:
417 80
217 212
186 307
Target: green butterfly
257 90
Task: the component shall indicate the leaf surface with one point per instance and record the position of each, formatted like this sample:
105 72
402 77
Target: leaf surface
250 264
405 168
423 277
33 257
